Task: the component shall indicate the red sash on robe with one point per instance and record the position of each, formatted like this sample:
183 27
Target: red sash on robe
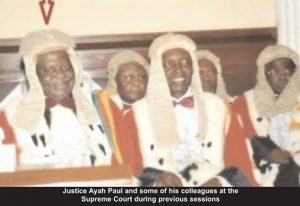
8 131
236 152
127 137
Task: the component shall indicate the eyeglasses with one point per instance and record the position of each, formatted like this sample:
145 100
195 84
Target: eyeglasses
279 71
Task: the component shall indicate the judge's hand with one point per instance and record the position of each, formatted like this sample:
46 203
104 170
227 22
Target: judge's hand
278 156
168 179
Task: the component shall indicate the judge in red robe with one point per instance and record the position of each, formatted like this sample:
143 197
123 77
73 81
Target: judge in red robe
128 76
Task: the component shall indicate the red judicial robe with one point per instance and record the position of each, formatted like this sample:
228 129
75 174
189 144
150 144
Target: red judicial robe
236 152
124 129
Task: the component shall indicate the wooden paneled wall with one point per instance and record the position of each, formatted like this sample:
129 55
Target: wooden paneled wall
237 49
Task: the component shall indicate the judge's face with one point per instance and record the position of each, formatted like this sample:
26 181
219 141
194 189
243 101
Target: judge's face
278 73
208 74
178 69
131 81
56 74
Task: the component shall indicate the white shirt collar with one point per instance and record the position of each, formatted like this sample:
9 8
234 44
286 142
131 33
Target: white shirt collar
188 93
120 103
